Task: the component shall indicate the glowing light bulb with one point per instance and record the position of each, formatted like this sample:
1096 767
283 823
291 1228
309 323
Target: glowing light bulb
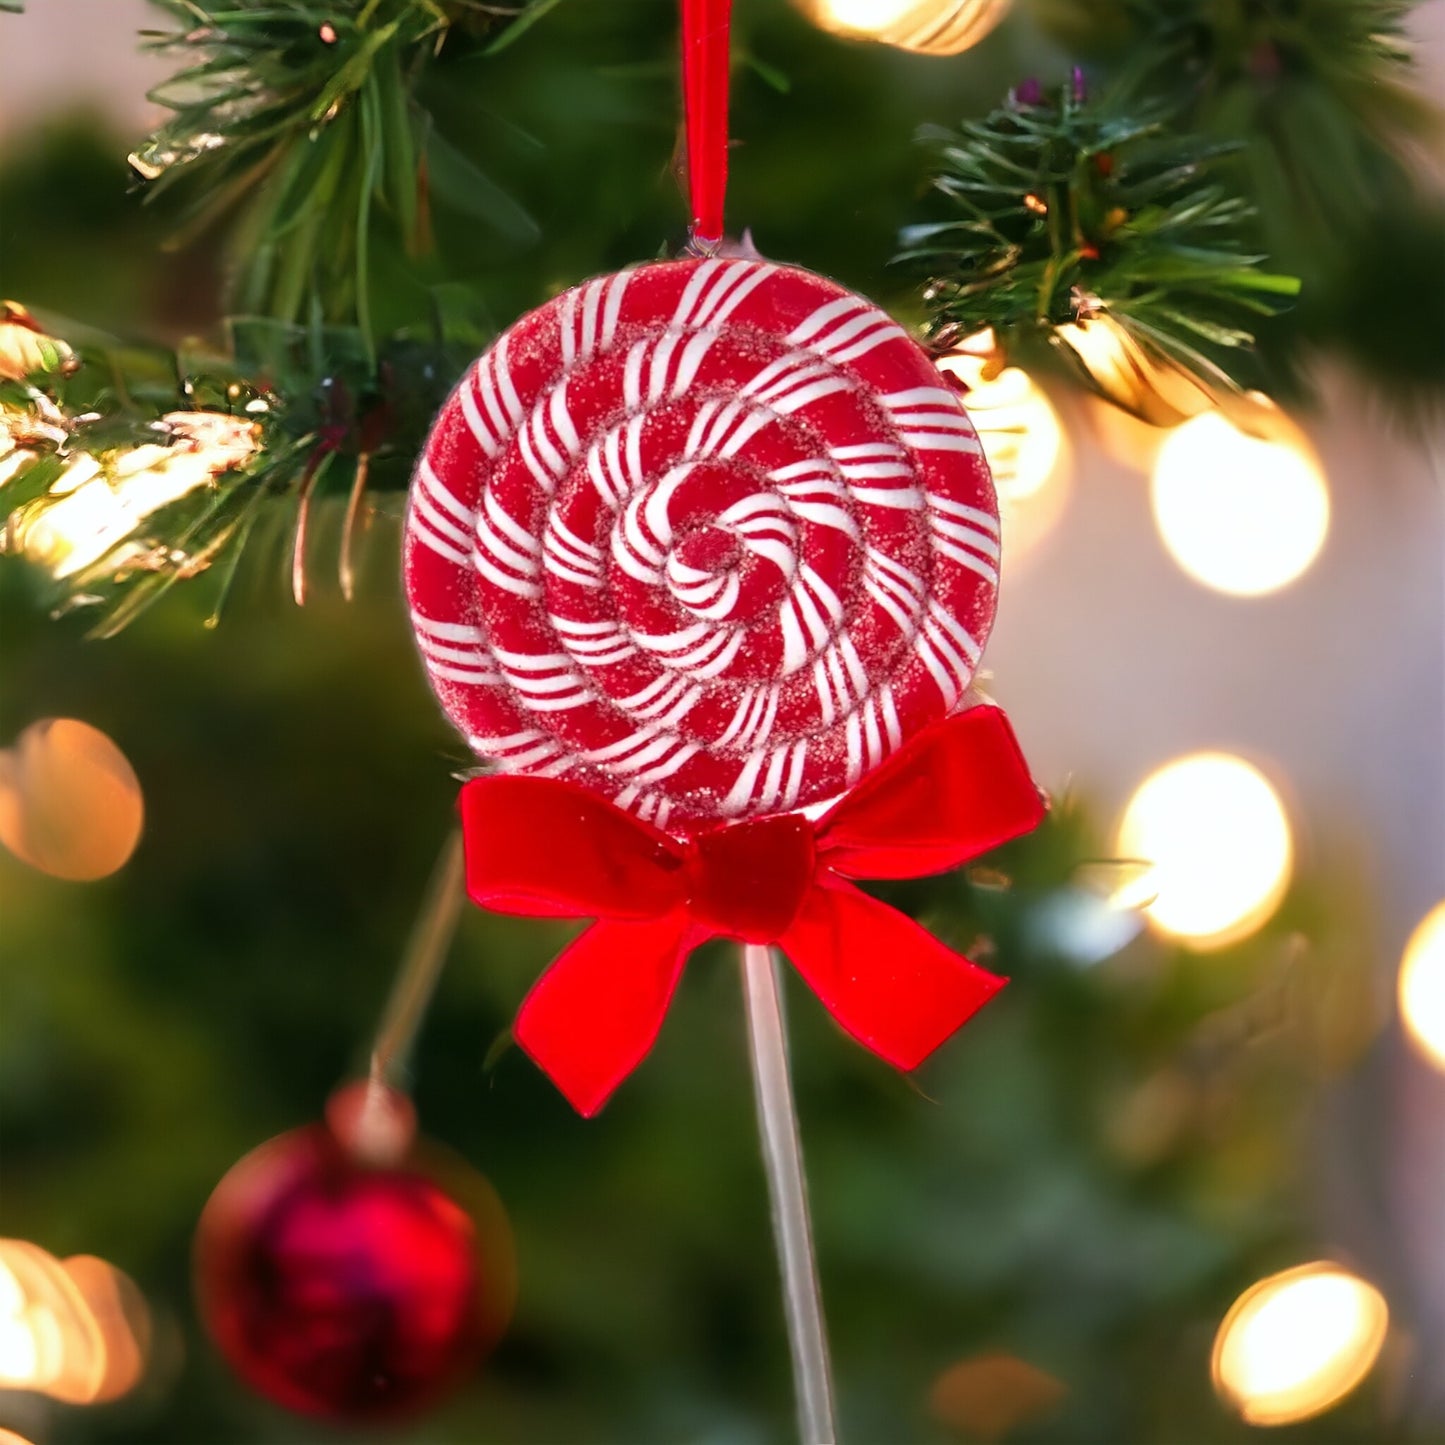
1243 512
19 1354
1297 1343
1422 986
1131 374
95 506
864 17
1219 842
25 349
1023 440
930 27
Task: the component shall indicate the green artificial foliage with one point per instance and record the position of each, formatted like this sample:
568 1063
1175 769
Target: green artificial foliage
1319 94
300 128
329 409
1058 209
305 117
1322 102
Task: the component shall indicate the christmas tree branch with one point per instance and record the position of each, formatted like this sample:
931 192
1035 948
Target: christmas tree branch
1058 209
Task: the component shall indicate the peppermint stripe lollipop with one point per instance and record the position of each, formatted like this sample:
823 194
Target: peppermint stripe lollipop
709 537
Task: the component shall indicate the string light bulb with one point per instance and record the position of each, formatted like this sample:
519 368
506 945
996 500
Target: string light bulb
1219 843
1240 501
1295 1344
1023 439
25 349
98 503
21 430
1422 986
1134 377
927 27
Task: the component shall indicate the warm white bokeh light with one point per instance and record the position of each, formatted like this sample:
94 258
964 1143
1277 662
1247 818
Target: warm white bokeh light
76 1329
70 802
1422 986
1219 842
1023 440
863 16
47 1340
1242 514
1020 430
1297 1343
19 1354
928 27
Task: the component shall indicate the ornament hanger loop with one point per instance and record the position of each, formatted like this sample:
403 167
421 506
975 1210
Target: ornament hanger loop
705 55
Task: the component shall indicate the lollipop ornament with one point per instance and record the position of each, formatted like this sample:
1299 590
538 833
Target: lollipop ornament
701 558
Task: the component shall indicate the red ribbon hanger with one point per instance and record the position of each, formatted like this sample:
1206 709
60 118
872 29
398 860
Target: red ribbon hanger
705 61
543 848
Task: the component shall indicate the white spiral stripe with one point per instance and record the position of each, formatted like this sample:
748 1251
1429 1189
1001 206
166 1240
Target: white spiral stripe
416 527
449 631
973 515
501 552
528 751
581 309
440 525
806 618
434 488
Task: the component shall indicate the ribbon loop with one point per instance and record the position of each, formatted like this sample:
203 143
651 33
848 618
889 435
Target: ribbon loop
962 789
595 1014
705 62
544 848
889 983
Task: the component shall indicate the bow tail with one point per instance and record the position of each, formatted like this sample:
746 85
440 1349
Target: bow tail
595 1013
888 982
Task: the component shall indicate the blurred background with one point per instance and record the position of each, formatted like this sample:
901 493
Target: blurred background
1207 1073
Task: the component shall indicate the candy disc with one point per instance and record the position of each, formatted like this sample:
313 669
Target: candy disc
712 538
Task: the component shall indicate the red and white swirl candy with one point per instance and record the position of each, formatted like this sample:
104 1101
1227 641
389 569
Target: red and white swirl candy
710 537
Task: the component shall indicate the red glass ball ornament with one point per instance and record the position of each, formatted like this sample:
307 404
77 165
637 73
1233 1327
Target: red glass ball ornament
350 1289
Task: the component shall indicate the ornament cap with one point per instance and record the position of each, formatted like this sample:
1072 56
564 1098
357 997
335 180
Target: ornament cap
373 1122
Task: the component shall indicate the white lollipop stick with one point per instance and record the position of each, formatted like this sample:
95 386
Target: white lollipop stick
788 1192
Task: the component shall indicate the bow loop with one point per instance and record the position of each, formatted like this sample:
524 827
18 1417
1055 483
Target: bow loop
961 789
888 982
587 1028
544 848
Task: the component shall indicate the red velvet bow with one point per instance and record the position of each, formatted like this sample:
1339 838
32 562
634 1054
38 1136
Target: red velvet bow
544 848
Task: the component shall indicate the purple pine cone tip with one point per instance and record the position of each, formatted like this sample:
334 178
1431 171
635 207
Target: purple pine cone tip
1028 92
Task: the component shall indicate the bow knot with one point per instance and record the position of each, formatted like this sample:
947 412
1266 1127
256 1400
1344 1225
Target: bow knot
748 880
541 847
